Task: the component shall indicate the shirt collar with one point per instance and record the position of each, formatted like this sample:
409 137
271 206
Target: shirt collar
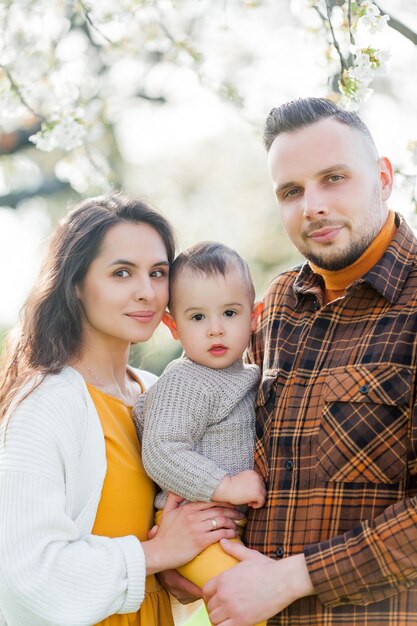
387 276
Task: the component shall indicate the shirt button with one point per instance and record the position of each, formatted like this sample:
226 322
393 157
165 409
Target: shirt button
364 388
316 305
289 465
280 552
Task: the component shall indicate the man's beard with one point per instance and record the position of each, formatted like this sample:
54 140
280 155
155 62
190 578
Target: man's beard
339 260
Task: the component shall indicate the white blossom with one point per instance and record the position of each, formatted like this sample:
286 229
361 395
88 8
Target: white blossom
370 17
67 133
86 173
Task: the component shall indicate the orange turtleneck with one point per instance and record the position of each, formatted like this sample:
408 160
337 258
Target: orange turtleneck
336 282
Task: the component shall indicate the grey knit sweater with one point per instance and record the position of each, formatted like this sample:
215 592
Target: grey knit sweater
197 425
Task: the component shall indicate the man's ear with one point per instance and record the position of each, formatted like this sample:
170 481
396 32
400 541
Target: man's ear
169 321
256 311
386 177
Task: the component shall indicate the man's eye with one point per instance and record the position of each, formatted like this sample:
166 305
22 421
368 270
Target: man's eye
197 317
291 192
334 178
229 313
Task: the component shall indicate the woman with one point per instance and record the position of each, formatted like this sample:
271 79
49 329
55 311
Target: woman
75 503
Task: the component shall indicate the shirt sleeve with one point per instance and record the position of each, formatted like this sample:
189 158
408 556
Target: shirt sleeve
176 411
50 573
369 563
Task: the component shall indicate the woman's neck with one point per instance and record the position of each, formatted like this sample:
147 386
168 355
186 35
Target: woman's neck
103 364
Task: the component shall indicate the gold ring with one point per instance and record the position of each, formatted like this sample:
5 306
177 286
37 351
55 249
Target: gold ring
214 523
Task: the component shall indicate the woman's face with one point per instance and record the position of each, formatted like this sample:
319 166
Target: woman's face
125 290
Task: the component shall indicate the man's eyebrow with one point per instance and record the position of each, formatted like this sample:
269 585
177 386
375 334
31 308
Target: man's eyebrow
131 264
284 186
333 168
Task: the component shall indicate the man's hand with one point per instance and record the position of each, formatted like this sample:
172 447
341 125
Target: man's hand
255 589
181 588
244 488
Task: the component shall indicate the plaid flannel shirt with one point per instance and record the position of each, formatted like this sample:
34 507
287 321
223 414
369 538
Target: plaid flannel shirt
337 439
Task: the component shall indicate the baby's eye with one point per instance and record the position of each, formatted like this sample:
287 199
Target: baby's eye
197 317
122 273
229 313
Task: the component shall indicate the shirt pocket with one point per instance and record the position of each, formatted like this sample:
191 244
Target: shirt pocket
363 431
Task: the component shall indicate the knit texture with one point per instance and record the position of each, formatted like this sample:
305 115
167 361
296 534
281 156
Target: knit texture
52 465
197 425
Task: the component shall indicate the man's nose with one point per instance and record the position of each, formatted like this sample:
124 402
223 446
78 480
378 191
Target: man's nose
314 204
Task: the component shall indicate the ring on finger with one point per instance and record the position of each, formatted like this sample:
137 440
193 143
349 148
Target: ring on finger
213 523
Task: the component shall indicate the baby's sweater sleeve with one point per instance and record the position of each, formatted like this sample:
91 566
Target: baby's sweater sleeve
174 414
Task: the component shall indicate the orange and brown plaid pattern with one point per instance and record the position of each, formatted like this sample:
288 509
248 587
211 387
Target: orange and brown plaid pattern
337 440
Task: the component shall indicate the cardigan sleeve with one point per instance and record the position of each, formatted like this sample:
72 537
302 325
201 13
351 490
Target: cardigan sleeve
50 572
174 414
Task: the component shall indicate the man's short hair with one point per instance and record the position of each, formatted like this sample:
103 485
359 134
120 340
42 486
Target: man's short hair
207 259
306 111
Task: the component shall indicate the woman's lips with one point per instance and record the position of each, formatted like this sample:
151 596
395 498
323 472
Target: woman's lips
143 317
325 234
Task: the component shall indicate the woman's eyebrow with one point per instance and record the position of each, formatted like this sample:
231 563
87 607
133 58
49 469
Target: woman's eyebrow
131 264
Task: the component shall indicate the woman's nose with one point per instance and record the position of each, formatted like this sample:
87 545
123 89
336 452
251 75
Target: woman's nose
144 289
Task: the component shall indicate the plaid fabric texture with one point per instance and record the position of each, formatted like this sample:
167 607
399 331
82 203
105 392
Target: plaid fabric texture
337 440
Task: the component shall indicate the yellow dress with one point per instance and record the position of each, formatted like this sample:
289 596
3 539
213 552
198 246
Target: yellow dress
126 503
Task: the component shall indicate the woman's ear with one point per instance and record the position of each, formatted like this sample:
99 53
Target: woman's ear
169 321
256 311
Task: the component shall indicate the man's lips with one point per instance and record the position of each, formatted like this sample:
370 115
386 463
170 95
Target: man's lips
322 235
218 349
142 316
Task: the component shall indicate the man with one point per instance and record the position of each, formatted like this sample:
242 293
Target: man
337 416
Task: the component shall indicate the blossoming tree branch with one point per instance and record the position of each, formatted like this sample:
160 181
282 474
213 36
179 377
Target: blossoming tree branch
62 66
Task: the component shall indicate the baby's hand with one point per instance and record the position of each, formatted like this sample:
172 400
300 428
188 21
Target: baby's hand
245 488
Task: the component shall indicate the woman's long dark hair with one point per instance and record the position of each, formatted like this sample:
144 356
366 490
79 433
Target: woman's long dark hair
51 328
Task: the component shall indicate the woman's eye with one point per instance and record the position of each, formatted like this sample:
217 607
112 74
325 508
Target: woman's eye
197 317
122 273
158 273
230 313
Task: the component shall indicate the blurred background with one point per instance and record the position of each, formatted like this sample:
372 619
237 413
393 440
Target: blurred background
166 100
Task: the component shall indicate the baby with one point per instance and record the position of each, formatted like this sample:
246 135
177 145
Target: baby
197 422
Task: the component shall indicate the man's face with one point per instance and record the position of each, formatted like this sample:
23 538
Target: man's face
331 190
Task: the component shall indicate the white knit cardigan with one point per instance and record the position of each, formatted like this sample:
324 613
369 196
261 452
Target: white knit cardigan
53 571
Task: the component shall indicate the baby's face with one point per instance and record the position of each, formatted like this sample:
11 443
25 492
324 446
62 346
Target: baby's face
214 317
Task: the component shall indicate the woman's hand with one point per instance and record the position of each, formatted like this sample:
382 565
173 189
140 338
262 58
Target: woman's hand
185 531
181 588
